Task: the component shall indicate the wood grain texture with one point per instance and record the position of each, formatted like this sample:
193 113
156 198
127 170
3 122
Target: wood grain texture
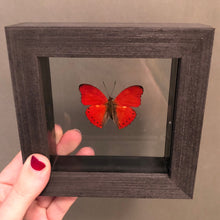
30 45
101 184
189 110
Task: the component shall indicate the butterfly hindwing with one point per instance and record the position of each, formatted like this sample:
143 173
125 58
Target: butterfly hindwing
90 95
124 116
130 96
97 115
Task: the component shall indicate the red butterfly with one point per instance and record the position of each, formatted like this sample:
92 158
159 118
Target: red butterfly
118 109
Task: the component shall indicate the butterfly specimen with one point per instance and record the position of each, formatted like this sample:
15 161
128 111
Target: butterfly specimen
118 109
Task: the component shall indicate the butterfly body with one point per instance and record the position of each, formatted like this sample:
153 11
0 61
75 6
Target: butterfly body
110 105
118 109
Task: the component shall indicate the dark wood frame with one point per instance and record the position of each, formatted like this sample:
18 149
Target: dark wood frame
189 45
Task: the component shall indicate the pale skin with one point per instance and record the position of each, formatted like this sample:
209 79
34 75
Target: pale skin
20 184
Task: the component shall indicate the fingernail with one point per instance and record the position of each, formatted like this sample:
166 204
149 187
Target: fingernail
36 164
75 129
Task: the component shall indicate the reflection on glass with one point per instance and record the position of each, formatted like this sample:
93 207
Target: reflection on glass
143 136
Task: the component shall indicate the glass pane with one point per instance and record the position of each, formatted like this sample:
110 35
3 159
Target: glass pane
145 135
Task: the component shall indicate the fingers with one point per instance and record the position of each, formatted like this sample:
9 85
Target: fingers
10 173
32 180
86 151
45 201
69 142
54 137
66 144
58 133
60 205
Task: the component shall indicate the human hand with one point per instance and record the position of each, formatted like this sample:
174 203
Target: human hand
21 184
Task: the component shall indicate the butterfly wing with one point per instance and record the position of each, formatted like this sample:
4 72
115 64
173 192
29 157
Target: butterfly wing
97 112
97 115
130 97
123 115
90 95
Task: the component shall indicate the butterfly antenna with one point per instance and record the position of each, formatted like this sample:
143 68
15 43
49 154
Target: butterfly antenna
113 88
106 88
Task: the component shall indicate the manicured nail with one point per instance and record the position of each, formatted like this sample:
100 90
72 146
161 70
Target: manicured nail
36 164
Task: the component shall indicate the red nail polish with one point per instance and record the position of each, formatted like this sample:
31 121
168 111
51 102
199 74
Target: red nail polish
36 164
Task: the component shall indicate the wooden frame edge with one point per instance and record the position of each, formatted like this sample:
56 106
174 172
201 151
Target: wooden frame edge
193 44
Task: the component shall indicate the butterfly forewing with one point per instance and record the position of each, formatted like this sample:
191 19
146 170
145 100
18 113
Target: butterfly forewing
90 95
130 97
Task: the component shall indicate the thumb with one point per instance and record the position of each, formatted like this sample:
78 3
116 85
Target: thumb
32 180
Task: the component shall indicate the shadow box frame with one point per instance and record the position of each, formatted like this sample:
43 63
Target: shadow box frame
171 177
